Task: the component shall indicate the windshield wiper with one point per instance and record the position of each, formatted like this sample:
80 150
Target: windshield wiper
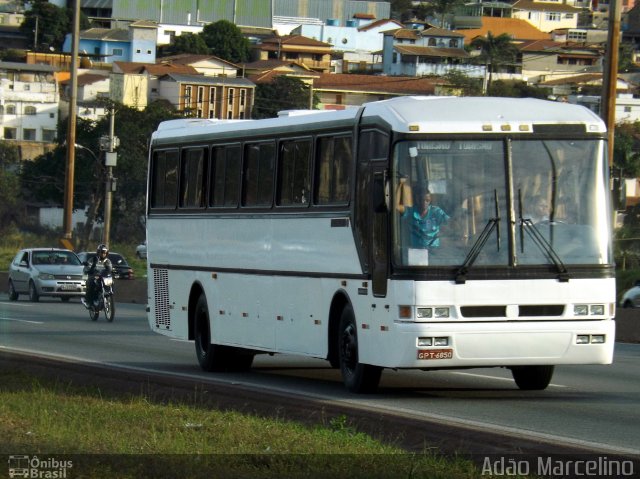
492 224
541 242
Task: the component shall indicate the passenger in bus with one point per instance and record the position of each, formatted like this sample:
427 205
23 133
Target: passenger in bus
540 211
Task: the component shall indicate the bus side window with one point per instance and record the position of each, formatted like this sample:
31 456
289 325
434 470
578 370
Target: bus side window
333 169
164 179
225 176
192 178
294 173
259 166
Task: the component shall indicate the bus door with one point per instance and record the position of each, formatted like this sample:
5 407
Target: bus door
379 212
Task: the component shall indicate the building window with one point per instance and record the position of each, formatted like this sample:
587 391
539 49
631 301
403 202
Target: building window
243 96
187 97
117 52
30 110
11 110
10 133
27 87
49 135
200 95
29 134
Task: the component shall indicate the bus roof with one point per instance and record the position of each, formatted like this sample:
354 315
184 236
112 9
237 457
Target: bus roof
410 114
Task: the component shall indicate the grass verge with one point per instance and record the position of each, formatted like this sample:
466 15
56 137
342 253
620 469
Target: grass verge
124 436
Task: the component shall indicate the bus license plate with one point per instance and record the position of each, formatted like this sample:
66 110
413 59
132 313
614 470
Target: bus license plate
435 353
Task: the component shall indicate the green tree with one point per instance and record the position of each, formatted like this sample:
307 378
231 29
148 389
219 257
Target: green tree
43 179
495 51
516 89
283 93
190 43
444 7
225 40
9 185
626 149
462 85
53 23
401 9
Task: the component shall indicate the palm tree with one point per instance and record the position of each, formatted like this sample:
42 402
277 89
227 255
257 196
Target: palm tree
495 51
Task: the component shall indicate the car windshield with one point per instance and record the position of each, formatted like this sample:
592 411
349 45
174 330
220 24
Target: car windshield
55 257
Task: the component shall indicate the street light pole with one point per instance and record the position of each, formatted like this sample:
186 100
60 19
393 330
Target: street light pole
110 162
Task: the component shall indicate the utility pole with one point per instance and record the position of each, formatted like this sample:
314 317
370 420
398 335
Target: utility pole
66 240
610 78
109 144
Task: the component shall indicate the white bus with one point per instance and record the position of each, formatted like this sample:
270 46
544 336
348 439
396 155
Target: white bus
306 235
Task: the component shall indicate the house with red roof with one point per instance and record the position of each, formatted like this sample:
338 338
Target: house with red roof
432 51
314 54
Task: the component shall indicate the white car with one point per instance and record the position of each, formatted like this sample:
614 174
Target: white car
631 297
141 250
52 272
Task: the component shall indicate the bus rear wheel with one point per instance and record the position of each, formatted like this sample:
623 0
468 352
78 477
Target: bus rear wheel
357 377
532 378
214 357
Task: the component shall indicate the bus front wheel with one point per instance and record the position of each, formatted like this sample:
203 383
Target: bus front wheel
215 357
357 377
532 378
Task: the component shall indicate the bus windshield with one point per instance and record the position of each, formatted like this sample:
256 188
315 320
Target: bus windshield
500 203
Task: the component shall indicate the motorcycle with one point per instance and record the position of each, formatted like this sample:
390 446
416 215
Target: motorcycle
103 299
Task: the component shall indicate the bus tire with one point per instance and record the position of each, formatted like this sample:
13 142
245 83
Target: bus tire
215 357
532 378
357 377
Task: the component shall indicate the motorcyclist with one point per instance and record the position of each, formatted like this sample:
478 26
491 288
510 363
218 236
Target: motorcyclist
99 266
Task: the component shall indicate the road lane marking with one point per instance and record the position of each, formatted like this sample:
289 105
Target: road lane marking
21 321
486 376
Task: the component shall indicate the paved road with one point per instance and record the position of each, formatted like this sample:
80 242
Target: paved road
593 406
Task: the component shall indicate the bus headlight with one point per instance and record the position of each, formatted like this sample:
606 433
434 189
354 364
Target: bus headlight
442 312
424 313
588 309
580 309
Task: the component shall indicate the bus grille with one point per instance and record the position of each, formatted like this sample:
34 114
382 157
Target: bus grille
161 289
524 310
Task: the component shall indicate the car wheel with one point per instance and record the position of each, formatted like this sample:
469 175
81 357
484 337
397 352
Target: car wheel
33 292
627 304
13 295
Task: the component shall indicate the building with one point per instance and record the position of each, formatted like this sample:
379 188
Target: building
545 60
136 43
313 54
92 86
137 84
208 97
546 16
29 105
356 46
337 91
432 51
